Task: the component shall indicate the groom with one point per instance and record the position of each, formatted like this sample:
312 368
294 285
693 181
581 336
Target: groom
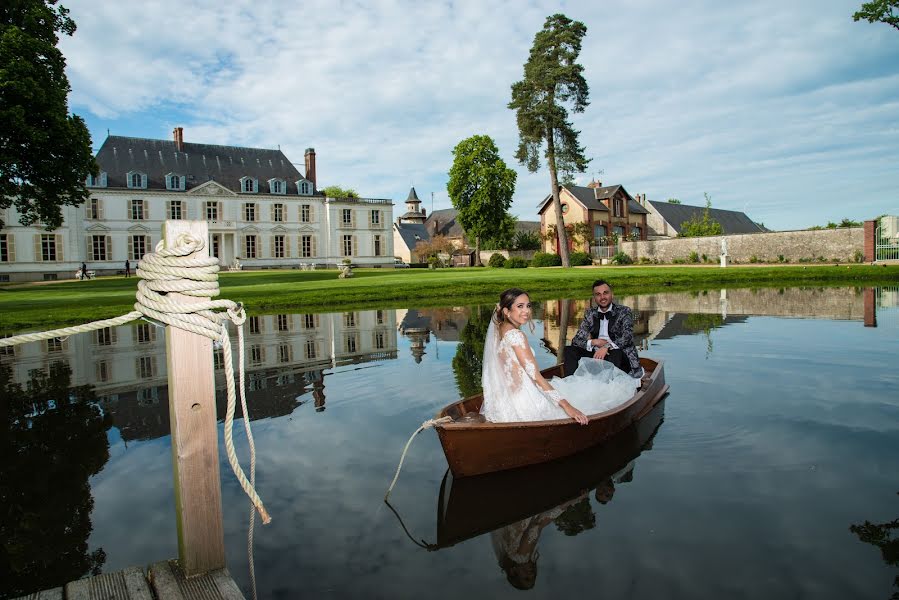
606 333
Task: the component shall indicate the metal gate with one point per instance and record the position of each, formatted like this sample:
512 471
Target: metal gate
886 238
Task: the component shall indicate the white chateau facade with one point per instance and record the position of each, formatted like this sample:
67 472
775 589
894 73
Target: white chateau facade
260 209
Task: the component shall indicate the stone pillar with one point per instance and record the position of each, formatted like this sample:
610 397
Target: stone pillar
870 300
870 241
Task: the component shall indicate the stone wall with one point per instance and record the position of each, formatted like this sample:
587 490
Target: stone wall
795 246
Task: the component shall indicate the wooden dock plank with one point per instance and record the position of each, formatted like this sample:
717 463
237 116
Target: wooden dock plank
128 584
54 594
169 582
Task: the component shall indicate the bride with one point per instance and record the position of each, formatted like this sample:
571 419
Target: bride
514 389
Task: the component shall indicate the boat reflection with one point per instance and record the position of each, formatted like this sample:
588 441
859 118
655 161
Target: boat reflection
515 506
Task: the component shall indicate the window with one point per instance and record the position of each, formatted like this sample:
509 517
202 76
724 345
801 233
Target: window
218 360
137 246
99 248
564 209
212 211
306 213
146 367
619 231
599 232
380 340
310 321
95 210
349 319
350 343
635 232
145 333
250 246
277 186
105 336
347 245
257 354
278 243
102 371
98 181
376 217
174 182
249 185
254 324
310 350
176 210
249 211
278 213
138 212
285 353
618 207
7 247
54 345
347 217
379 317
283 323
136 180
305 188
48 247
306 250
377 245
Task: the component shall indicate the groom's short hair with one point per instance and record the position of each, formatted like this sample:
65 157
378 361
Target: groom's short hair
600 282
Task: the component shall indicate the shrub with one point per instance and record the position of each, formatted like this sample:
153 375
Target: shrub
622 258
578 259
705 258
678 261
544 259
694 257
515 262
859 256
497 261
753 259
645 260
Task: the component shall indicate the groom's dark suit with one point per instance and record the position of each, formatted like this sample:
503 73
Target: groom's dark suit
620 331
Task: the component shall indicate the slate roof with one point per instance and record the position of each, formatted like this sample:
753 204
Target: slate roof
732 221
592 200
446 222
412 197
408 231
198 162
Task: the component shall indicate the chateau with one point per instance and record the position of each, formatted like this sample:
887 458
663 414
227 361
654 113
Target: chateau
262 213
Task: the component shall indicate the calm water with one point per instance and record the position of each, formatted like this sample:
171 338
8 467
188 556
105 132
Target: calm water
772 473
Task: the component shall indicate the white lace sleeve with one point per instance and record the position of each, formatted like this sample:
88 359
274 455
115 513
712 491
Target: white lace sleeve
553 395
516 338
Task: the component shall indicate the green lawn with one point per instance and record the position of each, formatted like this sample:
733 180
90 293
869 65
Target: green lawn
43 306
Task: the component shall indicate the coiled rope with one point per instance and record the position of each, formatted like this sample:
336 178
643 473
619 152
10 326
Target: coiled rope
172 270
426 425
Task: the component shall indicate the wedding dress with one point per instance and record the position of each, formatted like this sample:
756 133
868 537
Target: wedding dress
511 393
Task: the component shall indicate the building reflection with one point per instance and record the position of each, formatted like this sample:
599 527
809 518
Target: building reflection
446 324
287 360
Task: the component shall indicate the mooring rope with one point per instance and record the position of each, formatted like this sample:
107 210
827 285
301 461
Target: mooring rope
426 425
173 270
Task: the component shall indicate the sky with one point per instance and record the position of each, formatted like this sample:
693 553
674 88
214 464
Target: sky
786 110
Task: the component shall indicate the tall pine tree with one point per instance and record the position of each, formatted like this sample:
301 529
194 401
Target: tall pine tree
552 80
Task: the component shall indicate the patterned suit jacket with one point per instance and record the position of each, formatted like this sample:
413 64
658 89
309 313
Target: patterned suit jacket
621 330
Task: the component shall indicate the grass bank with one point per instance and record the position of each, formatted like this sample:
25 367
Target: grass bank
43 306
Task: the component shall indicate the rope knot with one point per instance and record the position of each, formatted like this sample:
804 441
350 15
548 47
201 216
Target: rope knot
237 314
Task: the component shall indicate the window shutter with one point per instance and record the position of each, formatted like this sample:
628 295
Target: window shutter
355 251
353 219
312 213
100 202
314 245
59 250
38 256
89 255
148 244
219 210
11 247
371 220
255 185
103 178
108 255
168 209
131 247
243 247
271 212
272 246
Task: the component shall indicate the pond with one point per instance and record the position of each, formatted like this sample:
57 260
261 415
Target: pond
770 470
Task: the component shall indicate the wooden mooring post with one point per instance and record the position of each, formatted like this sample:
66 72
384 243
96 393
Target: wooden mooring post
195 460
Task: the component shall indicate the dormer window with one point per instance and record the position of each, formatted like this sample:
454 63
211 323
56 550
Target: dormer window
98 181
175 182
136 180
277 186
249 185
304 187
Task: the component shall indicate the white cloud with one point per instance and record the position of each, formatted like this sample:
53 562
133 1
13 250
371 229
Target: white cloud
776 107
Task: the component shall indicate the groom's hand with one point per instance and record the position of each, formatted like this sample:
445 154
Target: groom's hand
601 352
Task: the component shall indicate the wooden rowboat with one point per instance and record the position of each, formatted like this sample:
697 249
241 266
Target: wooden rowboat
474 447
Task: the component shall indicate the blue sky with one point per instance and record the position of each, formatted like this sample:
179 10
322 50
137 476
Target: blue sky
788 111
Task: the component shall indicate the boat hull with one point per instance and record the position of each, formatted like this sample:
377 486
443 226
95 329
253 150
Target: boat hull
475 448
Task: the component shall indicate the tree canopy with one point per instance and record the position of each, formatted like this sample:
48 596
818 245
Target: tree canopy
697 226
883 11
45 152
480 187
552 80
335 191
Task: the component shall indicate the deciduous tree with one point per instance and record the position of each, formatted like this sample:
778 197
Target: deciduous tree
45 152
335 191
480 187
552 80
884 11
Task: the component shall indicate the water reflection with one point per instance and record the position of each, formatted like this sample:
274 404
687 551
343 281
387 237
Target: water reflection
56 440
515 506
885 536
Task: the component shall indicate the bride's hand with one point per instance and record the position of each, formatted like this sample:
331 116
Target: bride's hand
573 412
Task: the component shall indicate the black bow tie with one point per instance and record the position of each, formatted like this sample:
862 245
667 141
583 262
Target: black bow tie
604 315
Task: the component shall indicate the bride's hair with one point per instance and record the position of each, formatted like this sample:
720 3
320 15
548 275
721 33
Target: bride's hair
506 300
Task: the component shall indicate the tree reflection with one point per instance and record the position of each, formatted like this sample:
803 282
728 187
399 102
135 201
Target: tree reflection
468 361
704 323
55 440
886 537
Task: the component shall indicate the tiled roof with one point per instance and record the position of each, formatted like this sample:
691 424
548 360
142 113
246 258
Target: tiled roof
199 163
592 199
412 233
732 221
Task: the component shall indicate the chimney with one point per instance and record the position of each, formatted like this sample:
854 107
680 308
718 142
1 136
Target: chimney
594 184
179 139
310 166
423 213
